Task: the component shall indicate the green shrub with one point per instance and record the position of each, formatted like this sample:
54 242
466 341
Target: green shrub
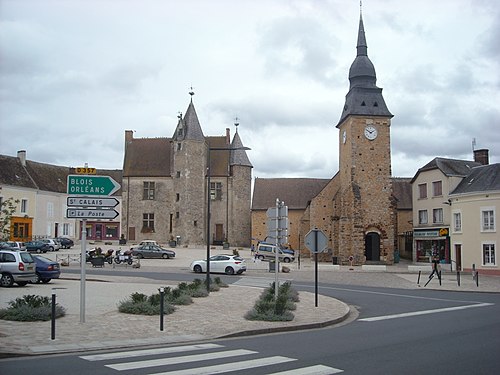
31 308
269 308
220 283
140 304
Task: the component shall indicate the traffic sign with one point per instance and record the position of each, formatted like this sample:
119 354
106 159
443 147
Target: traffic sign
91 185
86 213
92 202
85 170
316 241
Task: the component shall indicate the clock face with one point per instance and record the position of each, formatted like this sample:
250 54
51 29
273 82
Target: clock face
370 132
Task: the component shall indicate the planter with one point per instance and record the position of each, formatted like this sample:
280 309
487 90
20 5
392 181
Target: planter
97 262
172 243
225 245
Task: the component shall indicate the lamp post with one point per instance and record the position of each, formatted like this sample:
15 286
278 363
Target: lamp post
209 198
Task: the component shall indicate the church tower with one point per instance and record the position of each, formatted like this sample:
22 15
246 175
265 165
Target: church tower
363 205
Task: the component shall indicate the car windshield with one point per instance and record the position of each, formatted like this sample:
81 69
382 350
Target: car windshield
26 257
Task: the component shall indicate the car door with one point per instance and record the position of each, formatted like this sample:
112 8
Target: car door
215 263
155 251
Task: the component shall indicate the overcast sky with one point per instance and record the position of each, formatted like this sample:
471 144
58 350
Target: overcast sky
74 75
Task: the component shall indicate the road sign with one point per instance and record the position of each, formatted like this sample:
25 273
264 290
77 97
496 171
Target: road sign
316 241
91 185
85 170
85 213
92 202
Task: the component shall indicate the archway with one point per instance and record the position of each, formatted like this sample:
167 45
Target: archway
372 246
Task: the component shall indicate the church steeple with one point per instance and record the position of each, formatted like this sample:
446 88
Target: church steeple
364 97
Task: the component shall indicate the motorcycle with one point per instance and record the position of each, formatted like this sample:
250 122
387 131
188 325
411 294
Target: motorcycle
108 257
126 257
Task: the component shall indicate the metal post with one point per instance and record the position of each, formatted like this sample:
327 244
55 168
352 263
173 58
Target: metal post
276 250
418 280
162 293
458 277
477 278
82 271
53 317
316 279
208 222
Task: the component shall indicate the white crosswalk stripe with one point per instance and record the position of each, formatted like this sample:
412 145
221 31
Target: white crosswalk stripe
199 362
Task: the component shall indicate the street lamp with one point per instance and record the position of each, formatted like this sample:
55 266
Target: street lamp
209 198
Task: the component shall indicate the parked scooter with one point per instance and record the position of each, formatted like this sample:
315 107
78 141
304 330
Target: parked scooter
126 257
108 257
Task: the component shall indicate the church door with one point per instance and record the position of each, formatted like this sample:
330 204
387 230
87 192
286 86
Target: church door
372 246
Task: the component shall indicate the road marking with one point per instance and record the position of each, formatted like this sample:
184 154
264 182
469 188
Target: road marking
177 360
387 294
423 312
311 370
229 367
139 353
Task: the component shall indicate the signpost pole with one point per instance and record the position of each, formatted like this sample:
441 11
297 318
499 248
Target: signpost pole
82 271
276 249
316 268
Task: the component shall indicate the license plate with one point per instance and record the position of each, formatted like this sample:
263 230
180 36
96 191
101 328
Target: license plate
30 268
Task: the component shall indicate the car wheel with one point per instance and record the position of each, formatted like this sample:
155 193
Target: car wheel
6 280
38 251
51 248
286 260
140 256
22 283
38 278
261 257
229 271
165 256
45 281
197 268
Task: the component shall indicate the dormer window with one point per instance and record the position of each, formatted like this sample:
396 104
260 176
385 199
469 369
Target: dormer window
375 104
363 104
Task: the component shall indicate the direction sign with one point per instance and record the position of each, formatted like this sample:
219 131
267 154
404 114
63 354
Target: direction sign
316 241
91 185
85 213
92 202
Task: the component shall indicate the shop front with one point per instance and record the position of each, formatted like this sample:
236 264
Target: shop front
102 230
432 242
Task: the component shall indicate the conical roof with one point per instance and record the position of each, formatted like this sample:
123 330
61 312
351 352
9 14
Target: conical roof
364 97
189 128
239 157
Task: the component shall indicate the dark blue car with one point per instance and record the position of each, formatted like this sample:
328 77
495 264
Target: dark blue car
46 269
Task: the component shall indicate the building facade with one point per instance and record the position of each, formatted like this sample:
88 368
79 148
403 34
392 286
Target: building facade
165 193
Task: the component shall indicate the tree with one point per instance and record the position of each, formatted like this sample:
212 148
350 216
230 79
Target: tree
7 209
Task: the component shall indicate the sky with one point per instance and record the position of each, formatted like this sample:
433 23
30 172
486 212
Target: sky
75 74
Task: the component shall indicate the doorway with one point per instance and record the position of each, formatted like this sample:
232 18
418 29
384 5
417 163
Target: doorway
372 246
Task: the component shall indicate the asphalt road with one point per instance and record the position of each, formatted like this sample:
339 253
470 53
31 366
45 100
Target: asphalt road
411 331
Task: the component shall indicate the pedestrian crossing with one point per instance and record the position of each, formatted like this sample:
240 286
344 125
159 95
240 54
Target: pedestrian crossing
202 359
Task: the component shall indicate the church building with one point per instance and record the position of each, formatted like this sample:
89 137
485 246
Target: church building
357 209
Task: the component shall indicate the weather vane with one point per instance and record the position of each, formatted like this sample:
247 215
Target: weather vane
191 92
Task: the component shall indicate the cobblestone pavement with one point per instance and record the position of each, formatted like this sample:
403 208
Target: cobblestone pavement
219 315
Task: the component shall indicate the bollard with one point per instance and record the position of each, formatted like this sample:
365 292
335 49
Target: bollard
418 280
477 278
458 277
162 292
53 317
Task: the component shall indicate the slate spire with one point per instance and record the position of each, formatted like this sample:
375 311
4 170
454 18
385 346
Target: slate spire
364 97
189 128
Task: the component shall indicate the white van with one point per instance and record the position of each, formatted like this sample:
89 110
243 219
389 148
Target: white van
266 251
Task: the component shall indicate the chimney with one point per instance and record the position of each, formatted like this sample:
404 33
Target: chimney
129 136
21 154
228 136
481 156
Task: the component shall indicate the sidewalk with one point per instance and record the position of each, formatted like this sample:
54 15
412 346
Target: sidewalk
219 315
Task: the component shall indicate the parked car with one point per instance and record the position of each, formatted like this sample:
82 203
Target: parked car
145 242
16 245
228 264
66 243
152 251
16 267
53 244
266 251
5 246
46 269
37 246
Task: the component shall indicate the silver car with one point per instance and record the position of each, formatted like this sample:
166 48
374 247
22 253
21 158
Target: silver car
54 245
16 267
